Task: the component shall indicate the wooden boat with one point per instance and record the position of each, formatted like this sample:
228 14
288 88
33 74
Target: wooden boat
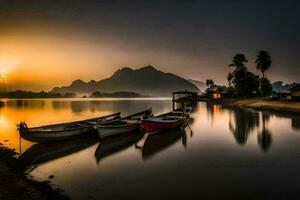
44 152
116 144
123 125
163 122
63 131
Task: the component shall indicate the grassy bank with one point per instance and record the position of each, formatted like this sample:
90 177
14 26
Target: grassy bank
14 184
267 104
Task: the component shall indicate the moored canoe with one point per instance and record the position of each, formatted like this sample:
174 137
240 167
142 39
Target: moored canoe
63 131
163 122
123 125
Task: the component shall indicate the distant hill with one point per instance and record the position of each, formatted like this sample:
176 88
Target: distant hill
145 81
115 94
199 84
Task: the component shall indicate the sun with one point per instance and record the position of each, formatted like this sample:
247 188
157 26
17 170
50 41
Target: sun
4 77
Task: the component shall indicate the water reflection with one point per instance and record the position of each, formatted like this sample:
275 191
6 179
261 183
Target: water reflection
42 153
296 122
265 136
59 105
215 155
212 109
156 143
242 123
26 104
111 146
79 107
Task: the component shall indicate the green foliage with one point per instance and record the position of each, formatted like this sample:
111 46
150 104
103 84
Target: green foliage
246 84
210 83
238 61
263 61
229 78
265 87
29 94
230 91
119 94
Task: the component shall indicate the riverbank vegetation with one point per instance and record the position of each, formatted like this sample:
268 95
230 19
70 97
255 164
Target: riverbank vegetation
31 95
243 83
121 94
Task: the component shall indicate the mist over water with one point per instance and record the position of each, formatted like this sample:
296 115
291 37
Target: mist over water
232 152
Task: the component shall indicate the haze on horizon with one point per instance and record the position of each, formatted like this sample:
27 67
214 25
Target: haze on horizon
51 43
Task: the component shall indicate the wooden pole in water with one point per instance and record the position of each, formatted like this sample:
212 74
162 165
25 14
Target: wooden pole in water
20 144
173 101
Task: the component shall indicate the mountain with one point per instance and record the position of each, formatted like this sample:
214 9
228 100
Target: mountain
145 81
199 84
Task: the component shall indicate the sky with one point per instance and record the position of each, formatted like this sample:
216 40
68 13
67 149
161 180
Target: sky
47 43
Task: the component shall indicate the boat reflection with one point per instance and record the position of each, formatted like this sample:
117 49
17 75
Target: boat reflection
156 143
42 153
112 145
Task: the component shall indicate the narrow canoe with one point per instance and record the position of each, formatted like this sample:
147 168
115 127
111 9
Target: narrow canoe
123 125
63 131
163 122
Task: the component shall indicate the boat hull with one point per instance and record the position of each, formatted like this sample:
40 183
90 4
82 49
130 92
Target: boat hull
109 131
154 126
55 136
124 125
62 131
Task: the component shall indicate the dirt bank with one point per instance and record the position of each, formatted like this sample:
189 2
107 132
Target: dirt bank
278 106
15 186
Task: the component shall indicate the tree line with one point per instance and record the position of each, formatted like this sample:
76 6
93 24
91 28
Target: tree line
243 83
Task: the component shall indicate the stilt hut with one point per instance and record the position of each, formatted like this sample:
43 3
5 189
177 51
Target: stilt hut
184 98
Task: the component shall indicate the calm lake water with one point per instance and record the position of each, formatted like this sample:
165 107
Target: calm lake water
232 153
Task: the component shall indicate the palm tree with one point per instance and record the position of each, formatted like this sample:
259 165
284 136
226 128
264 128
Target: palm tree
229 78
263 62
238 61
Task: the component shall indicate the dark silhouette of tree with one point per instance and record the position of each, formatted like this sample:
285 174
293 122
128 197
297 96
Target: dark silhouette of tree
265 87
229 78
209 82
245 83
238 61
263 62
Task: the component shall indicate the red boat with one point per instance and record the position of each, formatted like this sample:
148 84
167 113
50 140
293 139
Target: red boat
163 122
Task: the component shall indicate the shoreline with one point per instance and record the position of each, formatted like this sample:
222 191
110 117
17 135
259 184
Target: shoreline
262 104
14 183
